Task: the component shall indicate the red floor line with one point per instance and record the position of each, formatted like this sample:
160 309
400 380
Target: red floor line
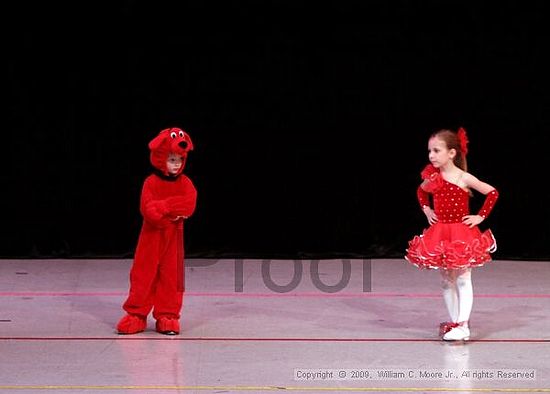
272 339
265 295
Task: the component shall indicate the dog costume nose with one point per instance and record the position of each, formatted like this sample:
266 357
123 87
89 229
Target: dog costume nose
182 144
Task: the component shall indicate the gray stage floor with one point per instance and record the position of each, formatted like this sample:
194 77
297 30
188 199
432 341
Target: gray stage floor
267 326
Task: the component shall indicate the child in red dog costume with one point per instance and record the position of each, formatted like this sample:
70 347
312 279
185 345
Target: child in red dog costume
157 275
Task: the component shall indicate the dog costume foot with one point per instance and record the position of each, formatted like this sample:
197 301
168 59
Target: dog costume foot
168 326
131 324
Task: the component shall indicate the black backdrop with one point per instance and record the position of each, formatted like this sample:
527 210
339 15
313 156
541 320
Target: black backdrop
310 122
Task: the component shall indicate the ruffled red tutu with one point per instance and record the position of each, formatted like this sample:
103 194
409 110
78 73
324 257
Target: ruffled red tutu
451 246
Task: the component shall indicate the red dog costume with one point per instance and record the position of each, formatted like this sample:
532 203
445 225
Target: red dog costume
157 277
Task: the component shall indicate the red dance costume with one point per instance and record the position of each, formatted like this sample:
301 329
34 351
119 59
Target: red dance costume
449 243
157 274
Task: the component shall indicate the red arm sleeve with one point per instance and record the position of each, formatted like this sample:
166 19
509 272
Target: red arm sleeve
490 201
423 197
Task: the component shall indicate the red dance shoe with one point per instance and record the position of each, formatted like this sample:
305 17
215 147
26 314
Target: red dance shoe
461 332
445 327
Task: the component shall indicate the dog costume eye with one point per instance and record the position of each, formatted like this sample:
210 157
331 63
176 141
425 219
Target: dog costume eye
181 133
173 134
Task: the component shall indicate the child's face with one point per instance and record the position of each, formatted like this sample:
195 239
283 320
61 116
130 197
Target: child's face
174 163
438 153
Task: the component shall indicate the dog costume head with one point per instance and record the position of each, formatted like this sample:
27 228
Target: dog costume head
171 140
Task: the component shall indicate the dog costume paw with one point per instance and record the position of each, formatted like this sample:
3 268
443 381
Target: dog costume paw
168 326
131 324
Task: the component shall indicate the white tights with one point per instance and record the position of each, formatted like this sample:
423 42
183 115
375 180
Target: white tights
458 293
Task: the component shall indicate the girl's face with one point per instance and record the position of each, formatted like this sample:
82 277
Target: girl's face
174 163
438 153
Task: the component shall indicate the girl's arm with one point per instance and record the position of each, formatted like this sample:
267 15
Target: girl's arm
431 182
424 201
491 197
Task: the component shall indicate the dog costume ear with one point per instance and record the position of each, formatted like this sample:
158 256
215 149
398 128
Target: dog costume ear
159 139
159 147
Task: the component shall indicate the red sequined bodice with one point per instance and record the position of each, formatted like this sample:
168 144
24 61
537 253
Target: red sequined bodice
451 203
449 243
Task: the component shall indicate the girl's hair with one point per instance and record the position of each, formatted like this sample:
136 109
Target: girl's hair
451 140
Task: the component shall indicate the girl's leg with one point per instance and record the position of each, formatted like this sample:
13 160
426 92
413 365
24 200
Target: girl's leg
450 295
465 294
465 301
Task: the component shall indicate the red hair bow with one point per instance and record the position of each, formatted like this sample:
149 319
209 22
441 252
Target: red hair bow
463 140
